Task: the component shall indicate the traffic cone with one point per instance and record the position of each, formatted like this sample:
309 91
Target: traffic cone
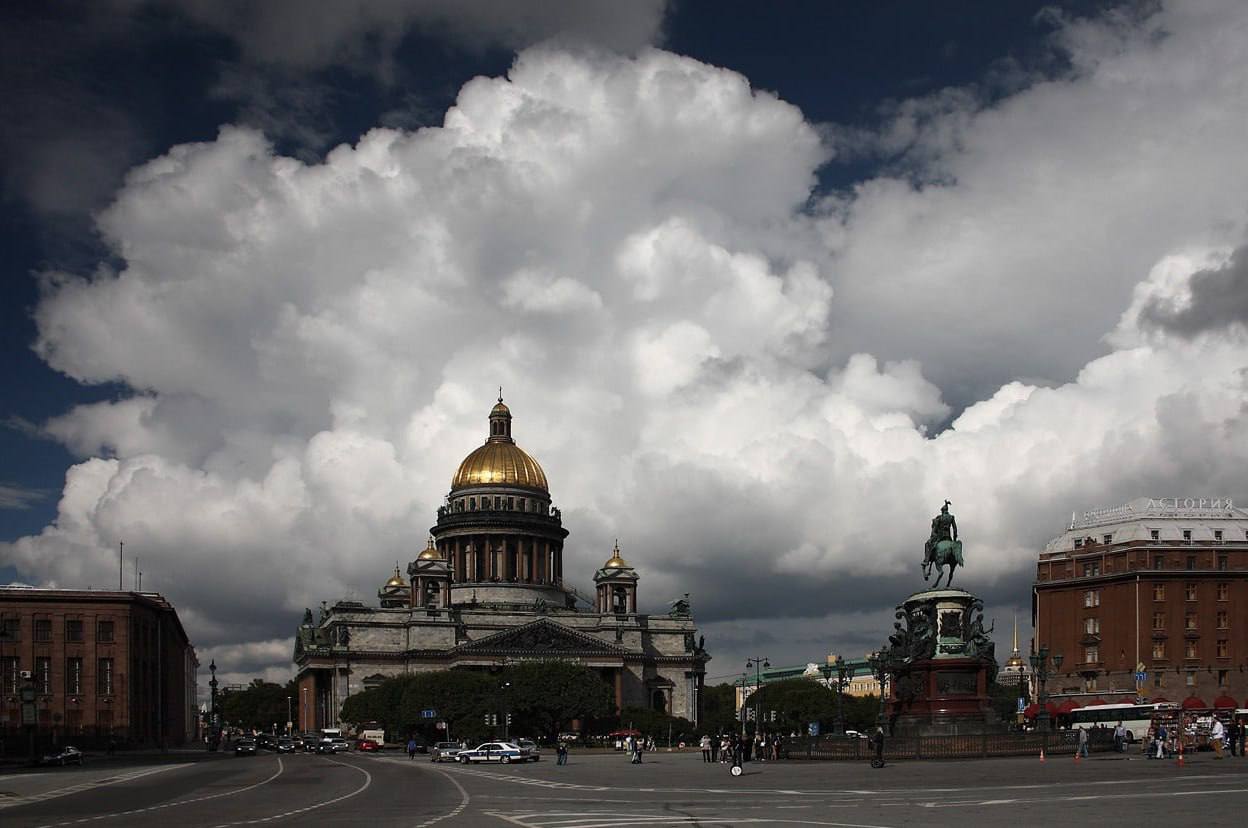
1076 754
1179 761
1042 756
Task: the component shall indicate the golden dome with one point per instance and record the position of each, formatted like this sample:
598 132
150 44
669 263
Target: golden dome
615 561
430 553
500 461
396 580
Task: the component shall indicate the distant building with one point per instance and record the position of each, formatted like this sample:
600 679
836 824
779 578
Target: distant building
101 663
859 679
1017 669
489 590
1157 587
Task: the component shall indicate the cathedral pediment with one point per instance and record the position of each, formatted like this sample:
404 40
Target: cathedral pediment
540 638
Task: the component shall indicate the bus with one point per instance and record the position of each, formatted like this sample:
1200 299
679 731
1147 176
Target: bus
1136 718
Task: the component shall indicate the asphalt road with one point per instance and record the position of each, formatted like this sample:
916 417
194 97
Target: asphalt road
597 791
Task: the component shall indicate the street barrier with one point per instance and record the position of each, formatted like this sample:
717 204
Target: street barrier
984 745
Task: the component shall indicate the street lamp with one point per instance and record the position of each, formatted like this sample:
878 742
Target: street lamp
1040 665
879 661
289 718
842 676
759 663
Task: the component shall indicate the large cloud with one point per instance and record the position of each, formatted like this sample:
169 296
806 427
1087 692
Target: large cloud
706 369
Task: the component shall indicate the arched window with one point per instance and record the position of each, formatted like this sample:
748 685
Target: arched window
658 701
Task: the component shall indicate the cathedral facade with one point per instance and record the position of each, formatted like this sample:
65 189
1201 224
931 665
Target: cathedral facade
489 590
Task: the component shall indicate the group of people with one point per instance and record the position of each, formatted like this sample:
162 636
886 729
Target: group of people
1163 739
734 748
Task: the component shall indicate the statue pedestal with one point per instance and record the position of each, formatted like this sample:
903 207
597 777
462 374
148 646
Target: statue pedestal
939 680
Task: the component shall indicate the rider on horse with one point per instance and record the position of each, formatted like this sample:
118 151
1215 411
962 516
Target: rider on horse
943 546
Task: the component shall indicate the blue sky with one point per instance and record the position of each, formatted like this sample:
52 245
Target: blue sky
806 269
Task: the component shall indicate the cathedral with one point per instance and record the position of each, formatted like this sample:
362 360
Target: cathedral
489 590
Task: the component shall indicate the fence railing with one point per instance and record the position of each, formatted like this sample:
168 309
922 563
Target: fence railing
946 747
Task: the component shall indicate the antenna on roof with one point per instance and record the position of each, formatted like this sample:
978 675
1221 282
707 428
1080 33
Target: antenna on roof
121 556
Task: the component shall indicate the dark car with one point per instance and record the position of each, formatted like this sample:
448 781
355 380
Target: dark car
65 756
285 745
245 746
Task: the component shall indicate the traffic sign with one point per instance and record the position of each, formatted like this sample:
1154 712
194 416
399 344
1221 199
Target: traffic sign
813 728
429 713
1022 705
1141 677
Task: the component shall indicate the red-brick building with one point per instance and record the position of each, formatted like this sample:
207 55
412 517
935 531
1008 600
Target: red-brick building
101 663
1159 585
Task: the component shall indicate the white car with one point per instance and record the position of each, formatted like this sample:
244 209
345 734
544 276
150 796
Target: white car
535 753
504 752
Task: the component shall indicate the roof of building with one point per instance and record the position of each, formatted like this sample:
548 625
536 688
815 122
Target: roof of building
15 592
500 462
1202 518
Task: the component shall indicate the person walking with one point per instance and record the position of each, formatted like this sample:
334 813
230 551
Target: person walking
725 748
561 753
1236 736
1161 741
737 748
705 744
877 741
1120 738
1216 736
1083 742
411 748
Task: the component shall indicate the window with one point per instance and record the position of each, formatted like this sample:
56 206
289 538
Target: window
1222 561
43 630
1224 592
43 675
1189 592
1159 620
73 676
1157 679
1189 621
1191 561
1189 650
1092 626
1159 562
1091 655
1091 568
510 504
12 630
1159 592
1223 675
104 677
1159 649
1089 685
1224 648
104 632
1187 535
73 630
1078 543
1107 539
1224 620
1092 598
1191 679
1155 534
1217 535
498 503
10 669
472 504
524 505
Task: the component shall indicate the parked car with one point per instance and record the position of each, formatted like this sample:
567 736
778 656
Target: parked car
535 752
335 745
245 746
65 756
285 745
367 745
504 752
443 751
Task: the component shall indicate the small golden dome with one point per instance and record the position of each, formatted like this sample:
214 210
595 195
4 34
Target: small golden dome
500 461
396 580
431 553
615 561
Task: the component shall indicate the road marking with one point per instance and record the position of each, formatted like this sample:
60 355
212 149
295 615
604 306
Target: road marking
86 786
168 804
368 780
974 803
601 819
463 803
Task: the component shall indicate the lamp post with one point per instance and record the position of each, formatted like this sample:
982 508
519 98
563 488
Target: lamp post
758 663
289 717
879 661
1040 665
214 736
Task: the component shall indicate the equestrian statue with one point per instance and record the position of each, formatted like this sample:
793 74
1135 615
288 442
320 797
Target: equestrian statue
942 548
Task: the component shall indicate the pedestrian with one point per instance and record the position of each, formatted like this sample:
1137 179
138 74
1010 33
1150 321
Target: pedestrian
1083 742
737 748
1120 737
1161 741
725 748
1217 735
877 741
411 748
1236 737
705 744
561 753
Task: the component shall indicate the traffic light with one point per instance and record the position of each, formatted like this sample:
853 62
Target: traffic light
509 720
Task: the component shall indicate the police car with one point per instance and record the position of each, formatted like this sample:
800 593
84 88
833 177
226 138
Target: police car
504 752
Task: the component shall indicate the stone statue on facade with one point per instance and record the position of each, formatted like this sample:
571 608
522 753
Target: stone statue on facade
680 607
307 616
943 547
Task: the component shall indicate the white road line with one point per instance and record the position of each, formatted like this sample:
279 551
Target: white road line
974 803
87 786
591 819
463 803
368 780
169 804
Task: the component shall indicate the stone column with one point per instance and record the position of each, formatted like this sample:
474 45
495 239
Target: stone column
619 689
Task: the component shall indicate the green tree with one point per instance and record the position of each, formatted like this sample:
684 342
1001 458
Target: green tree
719 709
545 696
259 706
656 723
1004 700
796 702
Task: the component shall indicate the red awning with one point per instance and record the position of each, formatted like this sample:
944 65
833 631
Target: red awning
1127 700
1194 703
1097 702
1067 706
1225 703
1158 700
1031 710
1052 708
625 733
